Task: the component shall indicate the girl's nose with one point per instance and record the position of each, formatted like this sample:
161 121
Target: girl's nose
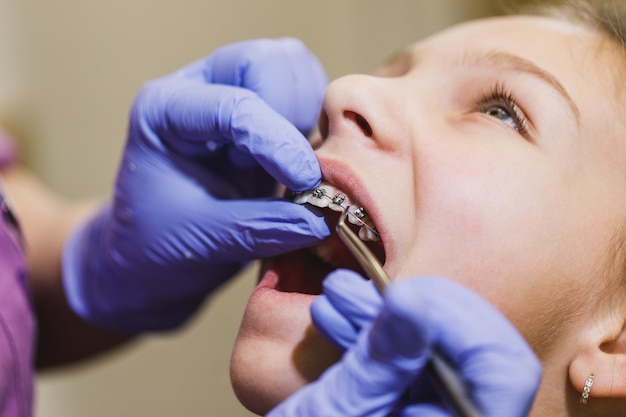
362 107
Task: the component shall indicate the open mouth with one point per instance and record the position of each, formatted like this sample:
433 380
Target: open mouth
304 270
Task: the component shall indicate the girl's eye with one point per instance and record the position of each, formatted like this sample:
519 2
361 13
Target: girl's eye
502 114
501 104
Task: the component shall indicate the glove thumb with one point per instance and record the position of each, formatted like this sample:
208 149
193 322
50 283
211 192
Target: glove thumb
373 375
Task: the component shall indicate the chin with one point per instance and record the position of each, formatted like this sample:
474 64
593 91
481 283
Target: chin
264 374
278 350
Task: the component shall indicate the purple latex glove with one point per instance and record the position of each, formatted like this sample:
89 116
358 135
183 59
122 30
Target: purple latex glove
341 312
383 373
192 203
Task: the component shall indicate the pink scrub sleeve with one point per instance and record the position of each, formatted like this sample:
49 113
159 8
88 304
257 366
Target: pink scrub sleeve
8 149
17 323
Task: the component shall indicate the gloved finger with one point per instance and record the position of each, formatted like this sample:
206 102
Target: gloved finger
196 120
283 72
372 376
426 410
500 368
227 232
348 303
260 228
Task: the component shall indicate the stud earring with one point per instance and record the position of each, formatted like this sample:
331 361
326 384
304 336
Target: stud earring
584 398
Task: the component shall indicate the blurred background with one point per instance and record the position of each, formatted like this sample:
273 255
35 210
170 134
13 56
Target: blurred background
68 73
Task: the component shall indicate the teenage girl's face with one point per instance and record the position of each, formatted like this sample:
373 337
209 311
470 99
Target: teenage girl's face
491 153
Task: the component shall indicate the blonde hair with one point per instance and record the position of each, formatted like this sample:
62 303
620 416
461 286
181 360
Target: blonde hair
607 16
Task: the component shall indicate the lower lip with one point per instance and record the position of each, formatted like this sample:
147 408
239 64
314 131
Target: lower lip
266 292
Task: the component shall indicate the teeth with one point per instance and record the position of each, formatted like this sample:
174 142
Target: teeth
326 196
319 198
360 213
356 214
367 233
339 202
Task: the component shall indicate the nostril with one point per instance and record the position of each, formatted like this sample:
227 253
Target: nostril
361 122
323 125
367 129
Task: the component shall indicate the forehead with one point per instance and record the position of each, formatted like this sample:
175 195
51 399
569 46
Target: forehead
550 43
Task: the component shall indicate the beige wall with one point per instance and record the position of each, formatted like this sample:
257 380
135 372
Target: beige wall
81 64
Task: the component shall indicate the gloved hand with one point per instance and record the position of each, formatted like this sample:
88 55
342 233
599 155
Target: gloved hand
383 373
192 203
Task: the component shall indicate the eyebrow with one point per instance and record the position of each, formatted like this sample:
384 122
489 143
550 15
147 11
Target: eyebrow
507 61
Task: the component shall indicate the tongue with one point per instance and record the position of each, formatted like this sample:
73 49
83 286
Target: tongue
302 271
299 272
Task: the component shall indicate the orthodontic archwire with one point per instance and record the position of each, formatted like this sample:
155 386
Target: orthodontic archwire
340 199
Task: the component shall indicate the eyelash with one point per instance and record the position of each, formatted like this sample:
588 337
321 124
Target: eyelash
499 95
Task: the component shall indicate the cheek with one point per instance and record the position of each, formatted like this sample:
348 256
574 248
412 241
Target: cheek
467 212
510 235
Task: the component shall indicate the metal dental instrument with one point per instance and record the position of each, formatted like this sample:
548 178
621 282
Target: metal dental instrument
449 383
366 258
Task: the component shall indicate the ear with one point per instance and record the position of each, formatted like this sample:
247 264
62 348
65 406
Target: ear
602 352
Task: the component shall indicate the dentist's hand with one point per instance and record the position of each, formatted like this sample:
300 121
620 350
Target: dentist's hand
383 373
192 199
